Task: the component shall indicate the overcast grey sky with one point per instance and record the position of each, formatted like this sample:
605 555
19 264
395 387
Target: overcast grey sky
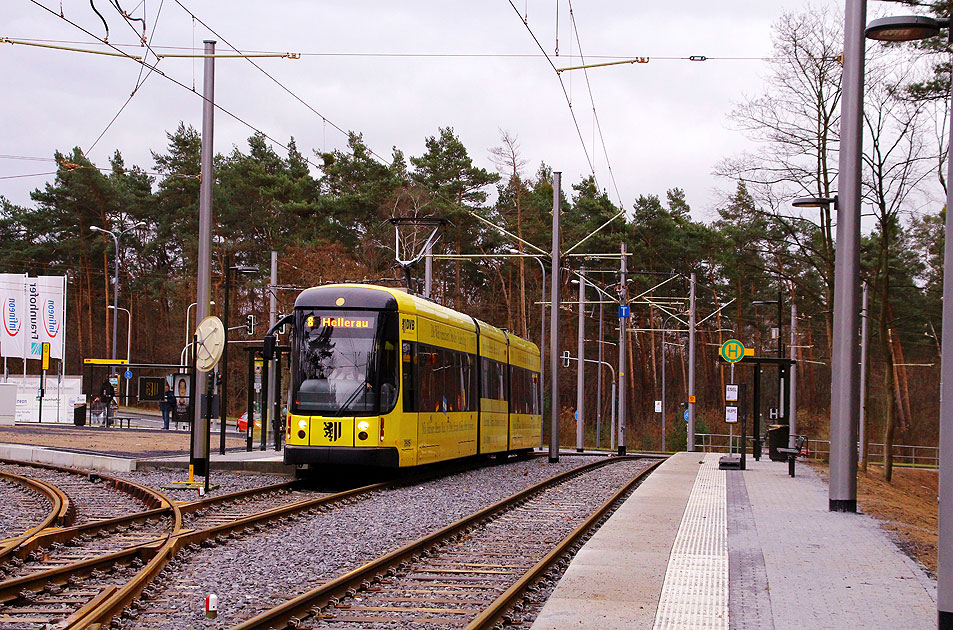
665 123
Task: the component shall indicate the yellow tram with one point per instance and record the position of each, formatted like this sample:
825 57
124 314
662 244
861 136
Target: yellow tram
383 378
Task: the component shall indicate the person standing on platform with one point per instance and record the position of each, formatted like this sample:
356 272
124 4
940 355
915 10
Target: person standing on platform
168 405
106 394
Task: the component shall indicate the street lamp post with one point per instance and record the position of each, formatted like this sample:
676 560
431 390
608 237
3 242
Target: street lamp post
128 340
909 28
223 395
542 346
188 331
116 236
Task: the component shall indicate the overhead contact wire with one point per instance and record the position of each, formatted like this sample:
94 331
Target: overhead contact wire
174 80
276 81
595 115
140 81
563 86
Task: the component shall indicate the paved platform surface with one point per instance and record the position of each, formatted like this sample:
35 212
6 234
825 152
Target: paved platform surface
697 547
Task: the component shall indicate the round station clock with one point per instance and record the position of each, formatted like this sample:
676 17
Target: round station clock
210 340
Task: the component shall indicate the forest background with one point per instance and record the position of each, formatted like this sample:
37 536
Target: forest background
330 225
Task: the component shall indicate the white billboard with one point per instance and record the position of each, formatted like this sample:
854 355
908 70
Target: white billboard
14 329
58 400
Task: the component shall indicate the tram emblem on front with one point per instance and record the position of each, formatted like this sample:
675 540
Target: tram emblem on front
332 430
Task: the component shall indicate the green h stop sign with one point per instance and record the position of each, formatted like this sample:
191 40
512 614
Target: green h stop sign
732 351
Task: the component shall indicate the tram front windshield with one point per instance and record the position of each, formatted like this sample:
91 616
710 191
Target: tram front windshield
333 363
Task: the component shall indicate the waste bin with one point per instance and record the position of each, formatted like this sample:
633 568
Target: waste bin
777 438
79 414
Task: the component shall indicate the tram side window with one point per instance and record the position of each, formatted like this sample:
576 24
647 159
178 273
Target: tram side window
446 380
494 379
524 392
409 357
389 359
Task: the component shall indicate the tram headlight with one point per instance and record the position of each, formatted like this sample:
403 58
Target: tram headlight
302 424
363 425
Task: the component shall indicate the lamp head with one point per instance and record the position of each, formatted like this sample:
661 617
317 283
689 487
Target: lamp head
814 202
904 28
243 269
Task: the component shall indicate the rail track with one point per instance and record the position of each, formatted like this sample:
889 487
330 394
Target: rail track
80 576
23 501
474 572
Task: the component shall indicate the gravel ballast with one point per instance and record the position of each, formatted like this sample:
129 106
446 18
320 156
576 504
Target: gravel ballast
254 573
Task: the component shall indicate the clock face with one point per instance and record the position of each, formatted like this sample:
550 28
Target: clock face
210 337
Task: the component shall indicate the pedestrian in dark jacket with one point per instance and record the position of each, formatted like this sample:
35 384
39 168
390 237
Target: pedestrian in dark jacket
168 406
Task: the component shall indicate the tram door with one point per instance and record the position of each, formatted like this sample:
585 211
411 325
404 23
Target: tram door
406 433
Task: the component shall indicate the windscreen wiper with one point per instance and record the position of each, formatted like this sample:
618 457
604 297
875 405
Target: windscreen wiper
351 398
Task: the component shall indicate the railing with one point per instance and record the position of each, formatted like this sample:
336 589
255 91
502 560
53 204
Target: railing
903 454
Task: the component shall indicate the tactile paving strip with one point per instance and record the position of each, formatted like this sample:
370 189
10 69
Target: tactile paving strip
695 590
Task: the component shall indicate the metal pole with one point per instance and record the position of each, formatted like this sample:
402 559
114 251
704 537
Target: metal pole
428 270
845 402
542 357
612 415
944 586
250 402
223 394
756 405
623 301
554 327
599 383
272 318
581 353
663 386
204 282
691 365
862 455
792 387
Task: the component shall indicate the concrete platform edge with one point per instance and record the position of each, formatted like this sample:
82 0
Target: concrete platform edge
41 455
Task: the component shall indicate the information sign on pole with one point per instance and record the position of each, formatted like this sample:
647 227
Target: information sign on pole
46 355
731 393
731 415
658 406
623 311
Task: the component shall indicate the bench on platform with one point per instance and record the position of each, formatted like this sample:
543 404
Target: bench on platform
793 453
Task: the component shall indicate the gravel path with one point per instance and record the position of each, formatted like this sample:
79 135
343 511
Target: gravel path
257 572
22 508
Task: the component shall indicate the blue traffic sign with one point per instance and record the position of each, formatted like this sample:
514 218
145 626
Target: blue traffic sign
128 374
623 311
686 415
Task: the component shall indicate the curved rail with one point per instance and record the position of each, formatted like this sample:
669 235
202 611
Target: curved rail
61 508
113 606
290 612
